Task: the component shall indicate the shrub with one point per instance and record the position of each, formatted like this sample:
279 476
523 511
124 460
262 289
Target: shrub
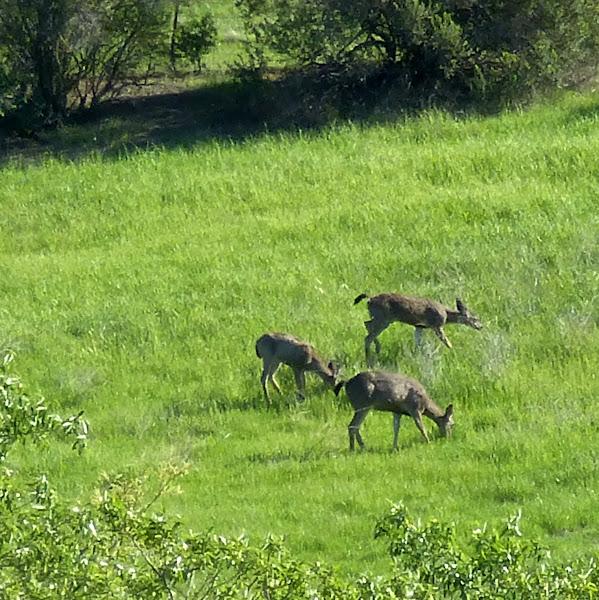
430 562
57 55
27 421
483 47
195 38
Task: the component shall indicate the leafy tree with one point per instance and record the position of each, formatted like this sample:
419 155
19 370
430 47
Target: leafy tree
491 47
56 55
117 44
192 39
33 55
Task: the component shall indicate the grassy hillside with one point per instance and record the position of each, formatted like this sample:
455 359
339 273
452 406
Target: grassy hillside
135 289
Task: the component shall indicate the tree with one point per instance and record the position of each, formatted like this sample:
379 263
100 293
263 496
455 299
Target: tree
118 45
191 40
31 36
488 47
56 54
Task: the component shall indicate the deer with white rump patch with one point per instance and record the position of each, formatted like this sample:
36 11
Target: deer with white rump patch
277 348
421 313
391 392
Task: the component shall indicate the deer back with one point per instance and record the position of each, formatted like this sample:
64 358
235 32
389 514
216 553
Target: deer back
385 391
292 351
392 392
413 310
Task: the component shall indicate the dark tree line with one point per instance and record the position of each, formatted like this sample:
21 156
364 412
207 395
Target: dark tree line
487 48
61 55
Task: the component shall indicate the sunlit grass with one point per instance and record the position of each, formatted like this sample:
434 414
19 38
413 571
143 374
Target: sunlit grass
134 289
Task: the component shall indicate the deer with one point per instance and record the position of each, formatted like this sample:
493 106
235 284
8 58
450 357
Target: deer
421 313
277 348
392 392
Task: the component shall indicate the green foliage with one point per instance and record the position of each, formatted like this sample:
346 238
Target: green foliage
195 38
429 561
489 48
34 55
63 54
24 420
112 547
116 44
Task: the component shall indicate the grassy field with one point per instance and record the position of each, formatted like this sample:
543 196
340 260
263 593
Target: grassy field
135 288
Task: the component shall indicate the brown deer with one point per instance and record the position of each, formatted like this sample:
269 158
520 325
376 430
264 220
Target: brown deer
277 348
394 393
422 313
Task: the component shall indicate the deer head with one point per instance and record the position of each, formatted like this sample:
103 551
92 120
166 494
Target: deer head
466 317
445 423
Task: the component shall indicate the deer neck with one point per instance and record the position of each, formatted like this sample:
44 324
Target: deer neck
454 316
320 368
326 375
434 411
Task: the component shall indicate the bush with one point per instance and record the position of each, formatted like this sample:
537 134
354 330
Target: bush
429 562
194 39
26 421
57 55
483 47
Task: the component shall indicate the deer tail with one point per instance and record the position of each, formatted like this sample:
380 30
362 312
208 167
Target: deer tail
338 387
360 298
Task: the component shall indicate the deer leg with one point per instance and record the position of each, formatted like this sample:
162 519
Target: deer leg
272 372
263 381
396 424
374 328
418 336
418 420
268 373
300 380
439 331
367 342
354 428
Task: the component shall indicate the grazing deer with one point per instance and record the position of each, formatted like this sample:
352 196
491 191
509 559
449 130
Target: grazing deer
422 313
394 393
277 348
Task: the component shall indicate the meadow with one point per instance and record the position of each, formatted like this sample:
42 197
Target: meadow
134 288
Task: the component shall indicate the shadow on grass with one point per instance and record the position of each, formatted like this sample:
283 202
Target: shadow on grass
172 116
270 458
225 111
319 453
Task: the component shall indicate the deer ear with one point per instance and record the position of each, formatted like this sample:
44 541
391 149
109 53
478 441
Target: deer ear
449 411
460 306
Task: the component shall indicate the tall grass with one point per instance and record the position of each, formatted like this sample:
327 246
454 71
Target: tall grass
135 289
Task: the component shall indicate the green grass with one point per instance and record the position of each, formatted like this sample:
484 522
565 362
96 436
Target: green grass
230 34
135 289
